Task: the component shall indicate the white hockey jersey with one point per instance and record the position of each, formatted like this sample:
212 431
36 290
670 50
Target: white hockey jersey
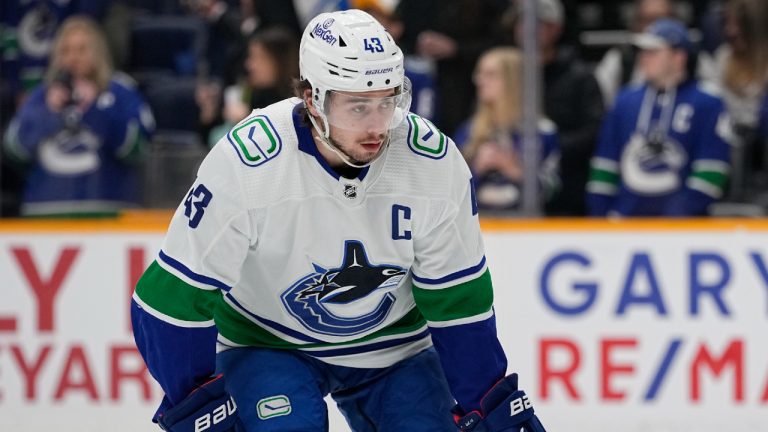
277 250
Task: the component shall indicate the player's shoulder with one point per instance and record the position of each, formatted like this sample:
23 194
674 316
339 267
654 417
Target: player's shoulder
254 145
424 157
261 138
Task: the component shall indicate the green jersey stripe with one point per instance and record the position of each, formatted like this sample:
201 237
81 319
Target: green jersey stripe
237 328
604 176
169 295
464 300
714 178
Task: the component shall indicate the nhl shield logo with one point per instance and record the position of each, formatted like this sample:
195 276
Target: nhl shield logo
350 191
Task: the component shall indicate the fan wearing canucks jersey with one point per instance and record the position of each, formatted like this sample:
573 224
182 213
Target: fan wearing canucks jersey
79 135
329 245
662 150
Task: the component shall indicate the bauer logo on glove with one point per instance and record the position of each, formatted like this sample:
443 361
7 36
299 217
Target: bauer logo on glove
505 408
209 408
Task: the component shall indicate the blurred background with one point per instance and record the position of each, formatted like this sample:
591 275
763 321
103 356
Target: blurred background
620 165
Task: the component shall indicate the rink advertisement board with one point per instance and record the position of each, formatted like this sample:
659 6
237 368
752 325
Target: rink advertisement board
635 326
638 330
67 357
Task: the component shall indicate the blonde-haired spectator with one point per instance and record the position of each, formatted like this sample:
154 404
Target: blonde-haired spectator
741 64
79 132
491 140
740 68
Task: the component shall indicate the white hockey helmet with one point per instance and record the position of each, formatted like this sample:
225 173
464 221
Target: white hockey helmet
349 51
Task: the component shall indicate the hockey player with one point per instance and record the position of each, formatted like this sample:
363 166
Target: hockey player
662 148
330 245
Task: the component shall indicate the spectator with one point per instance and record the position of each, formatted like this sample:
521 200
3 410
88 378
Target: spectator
661 150
619 67
740 68
572 100
491 140
230 28
741 64
711 27
80 131
27 29
272 65
453 34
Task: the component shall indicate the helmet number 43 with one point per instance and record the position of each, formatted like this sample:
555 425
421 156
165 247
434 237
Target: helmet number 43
373 45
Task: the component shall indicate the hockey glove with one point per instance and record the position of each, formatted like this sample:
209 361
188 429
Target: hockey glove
504 408
208 408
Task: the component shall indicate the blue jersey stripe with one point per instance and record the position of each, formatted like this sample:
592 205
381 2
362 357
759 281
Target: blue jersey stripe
367 348
451 277
269 323
192 275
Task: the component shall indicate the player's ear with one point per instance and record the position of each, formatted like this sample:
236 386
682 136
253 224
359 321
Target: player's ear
309 103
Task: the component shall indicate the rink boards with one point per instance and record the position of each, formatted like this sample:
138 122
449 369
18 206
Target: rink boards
649 326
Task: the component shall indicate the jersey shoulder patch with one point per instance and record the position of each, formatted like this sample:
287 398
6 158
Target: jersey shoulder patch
255 140
424 138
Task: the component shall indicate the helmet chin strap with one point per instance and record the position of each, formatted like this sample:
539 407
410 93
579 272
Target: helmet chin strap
326 140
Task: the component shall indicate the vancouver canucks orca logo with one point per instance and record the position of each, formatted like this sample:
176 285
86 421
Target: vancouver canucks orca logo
347 300
652 167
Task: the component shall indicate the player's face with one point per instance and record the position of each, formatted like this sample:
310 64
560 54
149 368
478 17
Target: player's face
359 122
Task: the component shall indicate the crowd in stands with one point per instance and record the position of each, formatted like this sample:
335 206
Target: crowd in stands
648 107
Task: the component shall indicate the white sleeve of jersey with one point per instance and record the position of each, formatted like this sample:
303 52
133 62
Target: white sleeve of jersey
210 233
452 249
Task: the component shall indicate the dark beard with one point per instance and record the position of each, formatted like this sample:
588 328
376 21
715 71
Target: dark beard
345 170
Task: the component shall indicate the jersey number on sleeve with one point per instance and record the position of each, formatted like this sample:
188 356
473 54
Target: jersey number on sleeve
195 204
